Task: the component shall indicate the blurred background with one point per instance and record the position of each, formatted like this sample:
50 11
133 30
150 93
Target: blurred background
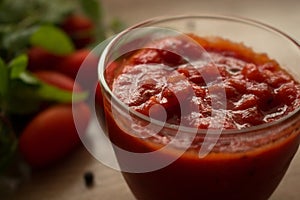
283 15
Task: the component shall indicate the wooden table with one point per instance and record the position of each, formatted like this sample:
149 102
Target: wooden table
65 180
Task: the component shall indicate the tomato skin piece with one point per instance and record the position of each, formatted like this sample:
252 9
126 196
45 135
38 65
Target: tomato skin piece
52 134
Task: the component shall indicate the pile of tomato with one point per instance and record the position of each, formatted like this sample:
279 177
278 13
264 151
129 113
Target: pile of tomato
51 134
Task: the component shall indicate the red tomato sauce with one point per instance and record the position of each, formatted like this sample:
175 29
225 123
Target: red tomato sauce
258 91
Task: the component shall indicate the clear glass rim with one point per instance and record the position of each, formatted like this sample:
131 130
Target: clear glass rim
153 21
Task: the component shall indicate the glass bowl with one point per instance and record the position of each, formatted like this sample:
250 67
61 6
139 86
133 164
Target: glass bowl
246 163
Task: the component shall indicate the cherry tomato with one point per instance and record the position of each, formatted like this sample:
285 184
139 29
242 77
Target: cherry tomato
80 29
58 79
84 61
40 59
52 134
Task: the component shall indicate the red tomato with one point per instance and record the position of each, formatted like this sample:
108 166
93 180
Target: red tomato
40 59
84 61
58 79
80 29
52 134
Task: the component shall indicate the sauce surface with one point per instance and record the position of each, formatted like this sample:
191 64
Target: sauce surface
257 90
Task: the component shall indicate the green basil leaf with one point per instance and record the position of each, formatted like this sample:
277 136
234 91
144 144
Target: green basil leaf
92 9
51 93
28 78
26 98
52 39
18 66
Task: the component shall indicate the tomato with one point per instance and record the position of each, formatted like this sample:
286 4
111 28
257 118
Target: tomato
84 61
40 59
58 79
80 29
52 134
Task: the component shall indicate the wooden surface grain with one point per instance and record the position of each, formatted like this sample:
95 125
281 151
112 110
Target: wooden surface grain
65 180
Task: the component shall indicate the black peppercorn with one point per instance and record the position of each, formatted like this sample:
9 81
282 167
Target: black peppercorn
89 179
